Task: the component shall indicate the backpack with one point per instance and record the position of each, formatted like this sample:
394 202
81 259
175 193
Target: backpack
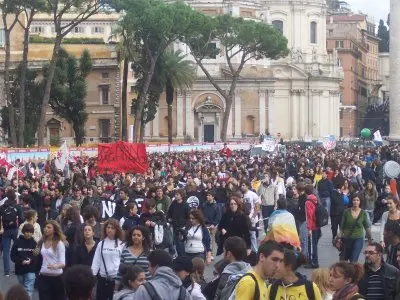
228 292
154 296
10 217
308 285
321 215
163 236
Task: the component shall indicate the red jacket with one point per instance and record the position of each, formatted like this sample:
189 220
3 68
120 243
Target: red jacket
310 212
225 152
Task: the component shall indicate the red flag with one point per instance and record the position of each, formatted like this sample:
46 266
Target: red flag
122 157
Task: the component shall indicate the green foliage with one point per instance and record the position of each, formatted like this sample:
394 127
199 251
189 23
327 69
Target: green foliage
383 34
37 39
33 100
68 90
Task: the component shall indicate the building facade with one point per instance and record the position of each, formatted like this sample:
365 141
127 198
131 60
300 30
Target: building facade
353 38
294 97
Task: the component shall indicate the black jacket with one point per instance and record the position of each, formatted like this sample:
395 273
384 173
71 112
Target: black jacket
300 215
82 256
325 188
391 277
130 222
23 250
235 224
211 213
178 213
337 203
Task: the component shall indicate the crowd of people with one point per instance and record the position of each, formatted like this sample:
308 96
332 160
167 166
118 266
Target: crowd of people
263 213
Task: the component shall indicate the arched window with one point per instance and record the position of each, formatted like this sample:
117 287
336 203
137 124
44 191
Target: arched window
278 24
313 32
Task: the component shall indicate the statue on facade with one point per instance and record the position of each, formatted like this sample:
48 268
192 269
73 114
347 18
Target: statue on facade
297 55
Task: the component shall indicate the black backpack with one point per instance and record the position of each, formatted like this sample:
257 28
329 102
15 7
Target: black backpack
154 295
9 217
321 215
308 285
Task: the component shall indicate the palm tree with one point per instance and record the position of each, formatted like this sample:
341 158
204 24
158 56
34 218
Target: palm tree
176 72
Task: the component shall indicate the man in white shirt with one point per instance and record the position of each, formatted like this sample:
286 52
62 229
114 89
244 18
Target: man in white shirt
252 204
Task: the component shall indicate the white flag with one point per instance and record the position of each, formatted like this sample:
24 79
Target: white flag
11 172
377 136
62 157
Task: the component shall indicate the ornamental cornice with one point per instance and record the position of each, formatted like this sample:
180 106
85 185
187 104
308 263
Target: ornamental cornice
317 92
334 92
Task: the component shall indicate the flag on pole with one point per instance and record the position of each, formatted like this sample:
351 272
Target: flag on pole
62 157
377 136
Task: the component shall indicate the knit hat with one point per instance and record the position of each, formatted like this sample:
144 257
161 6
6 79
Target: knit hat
182 263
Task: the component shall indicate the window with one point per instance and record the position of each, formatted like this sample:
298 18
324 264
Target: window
313 32
105 95
37 29
330 32
105 75
98 29
212 51
278 24
2 38
339 44
79 29
104 128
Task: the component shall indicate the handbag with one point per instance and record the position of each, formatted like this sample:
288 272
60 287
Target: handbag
339 241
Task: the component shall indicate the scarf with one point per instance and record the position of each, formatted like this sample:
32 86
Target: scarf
346 292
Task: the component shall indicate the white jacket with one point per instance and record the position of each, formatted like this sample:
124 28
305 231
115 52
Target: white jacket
195 291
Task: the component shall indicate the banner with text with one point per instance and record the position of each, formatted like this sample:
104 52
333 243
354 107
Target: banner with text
122 157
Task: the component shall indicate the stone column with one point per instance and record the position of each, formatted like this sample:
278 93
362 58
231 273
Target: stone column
217 127
316 124
147 132
238 114
261 107
302 114
179 114
189 114
394 110
156 124
271 111
201 129
294 109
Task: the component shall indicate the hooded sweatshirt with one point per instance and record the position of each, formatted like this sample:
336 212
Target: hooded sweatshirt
234 268
22 250
166 284
296 290
311 204
124 294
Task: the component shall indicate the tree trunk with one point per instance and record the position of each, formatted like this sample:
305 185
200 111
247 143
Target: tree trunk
22 84
47 90
125 100
13 133
142 99
169 91
142 129
227 112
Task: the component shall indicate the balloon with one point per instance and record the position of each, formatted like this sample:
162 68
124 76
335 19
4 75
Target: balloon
365 133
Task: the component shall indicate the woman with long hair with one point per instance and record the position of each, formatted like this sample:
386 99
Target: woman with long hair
197 241
354 221
321 278
234 222
136 250
61 218
52 250
370 196
343 279
390 216
293 283
84 252
31 218
107 258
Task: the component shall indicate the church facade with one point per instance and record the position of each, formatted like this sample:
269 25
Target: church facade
293 97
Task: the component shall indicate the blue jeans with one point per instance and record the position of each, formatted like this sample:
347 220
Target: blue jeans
8 236
266 211
313 247
253 238
352 248
303 235
326 202
27 280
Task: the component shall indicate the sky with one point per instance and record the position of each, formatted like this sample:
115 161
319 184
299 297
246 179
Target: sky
378 9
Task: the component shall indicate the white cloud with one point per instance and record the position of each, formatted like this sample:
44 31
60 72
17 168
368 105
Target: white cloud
378 9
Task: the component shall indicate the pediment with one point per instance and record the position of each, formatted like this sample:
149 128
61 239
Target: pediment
288 71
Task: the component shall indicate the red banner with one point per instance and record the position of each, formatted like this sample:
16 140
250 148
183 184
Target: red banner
122 157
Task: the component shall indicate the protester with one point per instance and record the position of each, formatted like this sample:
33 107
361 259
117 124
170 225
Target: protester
31 218
107 259
343 280
17 292
269 260
388 217
84 252
132 277
52 252
79 282
314 232
321 278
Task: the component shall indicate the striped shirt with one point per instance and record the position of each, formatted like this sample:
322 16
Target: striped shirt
375 285
128 258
